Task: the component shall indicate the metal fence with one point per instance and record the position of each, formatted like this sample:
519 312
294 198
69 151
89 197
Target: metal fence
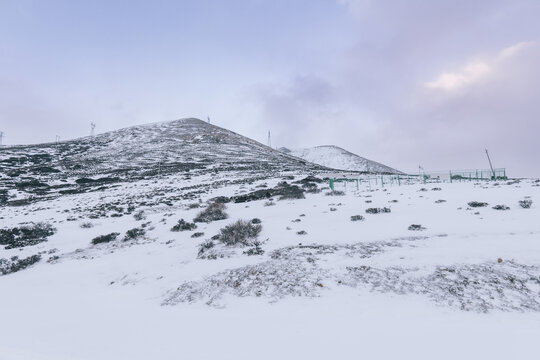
450 176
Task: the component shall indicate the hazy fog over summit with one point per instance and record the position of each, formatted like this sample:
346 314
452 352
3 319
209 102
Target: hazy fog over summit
408 83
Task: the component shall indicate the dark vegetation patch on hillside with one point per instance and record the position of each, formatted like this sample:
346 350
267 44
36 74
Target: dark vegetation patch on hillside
27 235
14 264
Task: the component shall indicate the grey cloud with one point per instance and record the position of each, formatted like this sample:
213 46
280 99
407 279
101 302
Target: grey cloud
379 106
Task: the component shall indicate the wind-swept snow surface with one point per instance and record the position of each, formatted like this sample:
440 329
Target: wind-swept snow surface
337 158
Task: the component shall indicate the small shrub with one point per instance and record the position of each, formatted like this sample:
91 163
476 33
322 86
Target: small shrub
416 227
377 210
134 233
213 212
86 225
357 218
139 216
204 247
240 232
310 179
8 266
269 203
309 186
183 226
256 221
194 206
197 234
501 207
526 204
439 201
105 238
221 199
53 259
301 232
289 192
26 235
476 204
436 189
335 193
256 250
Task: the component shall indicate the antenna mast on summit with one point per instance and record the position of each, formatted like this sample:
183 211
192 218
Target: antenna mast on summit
209 119
491 166
269 139
92 127
1 137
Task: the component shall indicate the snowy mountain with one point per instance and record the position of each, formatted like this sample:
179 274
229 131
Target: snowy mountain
187 146
337 158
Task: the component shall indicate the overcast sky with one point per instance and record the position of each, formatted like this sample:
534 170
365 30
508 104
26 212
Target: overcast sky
405 83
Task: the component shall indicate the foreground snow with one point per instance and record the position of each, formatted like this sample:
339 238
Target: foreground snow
346 289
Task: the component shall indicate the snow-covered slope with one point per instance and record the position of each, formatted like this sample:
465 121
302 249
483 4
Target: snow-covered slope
319 286
337 158
187 146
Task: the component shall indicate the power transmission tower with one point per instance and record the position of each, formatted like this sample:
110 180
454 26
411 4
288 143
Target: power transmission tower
1 137
92 127
269 139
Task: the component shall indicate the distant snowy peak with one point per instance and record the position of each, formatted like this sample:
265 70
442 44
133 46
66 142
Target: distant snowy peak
337 158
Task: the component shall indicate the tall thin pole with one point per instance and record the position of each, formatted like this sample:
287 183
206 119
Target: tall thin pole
1 137
92 127
269 139
491 166
209 119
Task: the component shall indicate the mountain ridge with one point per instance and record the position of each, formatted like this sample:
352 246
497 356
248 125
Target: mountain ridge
335 157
